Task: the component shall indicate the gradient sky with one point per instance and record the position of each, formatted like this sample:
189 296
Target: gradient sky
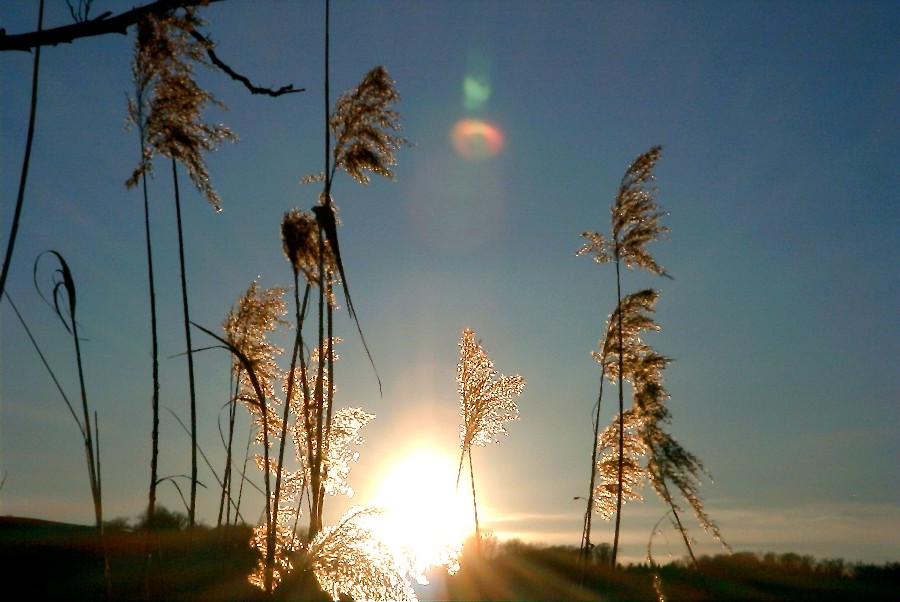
779 170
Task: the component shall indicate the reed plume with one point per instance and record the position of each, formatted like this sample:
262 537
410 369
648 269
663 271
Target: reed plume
635 222
163 69
349 559
486 402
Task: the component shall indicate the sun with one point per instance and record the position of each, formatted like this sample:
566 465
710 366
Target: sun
423 514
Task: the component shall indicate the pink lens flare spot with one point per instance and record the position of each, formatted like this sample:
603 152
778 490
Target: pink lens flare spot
475 139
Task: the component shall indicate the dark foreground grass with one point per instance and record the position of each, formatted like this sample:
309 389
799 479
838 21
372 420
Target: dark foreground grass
55 561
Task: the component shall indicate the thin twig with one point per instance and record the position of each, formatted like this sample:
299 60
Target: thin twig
208 45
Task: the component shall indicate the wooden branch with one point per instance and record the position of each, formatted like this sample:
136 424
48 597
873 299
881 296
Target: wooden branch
101 25
105 24
208 44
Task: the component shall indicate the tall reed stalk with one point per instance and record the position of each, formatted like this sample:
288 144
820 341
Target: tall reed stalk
486 402
635 222
23 175
136 116
192 510
168 112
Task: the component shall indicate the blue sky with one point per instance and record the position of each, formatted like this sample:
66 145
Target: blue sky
779 170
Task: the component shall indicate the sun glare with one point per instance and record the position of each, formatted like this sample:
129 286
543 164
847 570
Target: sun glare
423 515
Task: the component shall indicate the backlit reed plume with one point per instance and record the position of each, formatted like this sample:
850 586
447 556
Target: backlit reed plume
247 326
256 314
635 221
349 559
669 463
633 315
607 492
300 242
363 125
486 402
650 452
263 414
323 440
163 70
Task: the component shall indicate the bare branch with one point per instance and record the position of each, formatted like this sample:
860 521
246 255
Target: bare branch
214 58
101 25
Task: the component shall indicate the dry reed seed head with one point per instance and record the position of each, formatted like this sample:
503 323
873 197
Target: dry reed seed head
246 327
349 559
342 435
300 242
362 123
486 399
635 215
640 362
598 245
170 98
300 239
286 544
669 462
641 169
633 474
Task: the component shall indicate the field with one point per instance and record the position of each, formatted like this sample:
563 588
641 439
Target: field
64 562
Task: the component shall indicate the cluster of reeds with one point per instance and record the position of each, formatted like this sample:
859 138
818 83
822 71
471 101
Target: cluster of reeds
636 446
167 111
295 407
304 444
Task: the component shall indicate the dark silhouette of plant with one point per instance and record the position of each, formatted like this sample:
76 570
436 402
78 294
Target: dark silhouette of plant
635 222
486 401
80 14
168 111
62 299
163 519
23 176
142 75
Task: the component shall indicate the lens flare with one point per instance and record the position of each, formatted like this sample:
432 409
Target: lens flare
475 140
476 92
477 81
